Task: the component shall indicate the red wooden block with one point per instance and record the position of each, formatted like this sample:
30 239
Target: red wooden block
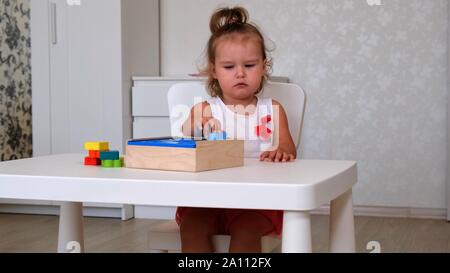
92 161
94 153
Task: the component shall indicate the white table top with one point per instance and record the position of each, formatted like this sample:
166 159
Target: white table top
299 185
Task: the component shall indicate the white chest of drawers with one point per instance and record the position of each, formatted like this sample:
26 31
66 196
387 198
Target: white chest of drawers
149 105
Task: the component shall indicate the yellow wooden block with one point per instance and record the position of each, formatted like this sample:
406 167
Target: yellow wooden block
208 155
99 146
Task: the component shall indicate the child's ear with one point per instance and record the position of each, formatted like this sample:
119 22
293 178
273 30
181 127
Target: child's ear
267 66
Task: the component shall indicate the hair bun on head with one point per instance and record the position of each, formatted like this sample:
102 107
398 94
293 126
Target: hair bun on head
224 18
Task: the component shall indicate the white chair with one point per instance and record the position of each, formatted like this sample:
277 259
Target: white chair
165 236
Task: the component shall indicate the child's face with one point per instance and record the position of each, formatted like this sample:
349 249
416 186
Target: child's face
239 66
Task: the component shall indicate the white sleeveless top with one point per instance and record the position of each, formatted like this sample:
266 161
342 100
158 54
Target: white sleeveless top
245 127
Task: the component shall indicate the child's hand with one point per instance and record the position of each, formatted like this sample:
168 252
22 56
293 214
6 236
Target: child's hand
208 125
278 155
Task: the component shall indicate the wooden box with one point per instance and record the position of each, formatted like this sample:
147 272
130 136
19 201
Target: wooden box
206 155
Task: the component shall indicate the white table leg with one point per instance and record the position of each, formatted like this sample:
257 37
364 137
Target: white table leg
296 236
342 227
70 234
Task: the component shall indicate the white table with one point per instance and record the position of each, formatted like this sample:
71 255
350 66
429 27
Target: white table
297 188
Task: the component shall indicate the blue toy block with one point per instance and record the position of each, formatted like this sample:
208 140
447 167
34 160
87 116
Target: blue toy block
169 142
109 155
217 136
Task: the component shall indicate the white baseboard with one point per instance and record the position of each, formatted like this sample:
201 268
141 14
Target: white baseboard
123 212
400 212
29 209
148 212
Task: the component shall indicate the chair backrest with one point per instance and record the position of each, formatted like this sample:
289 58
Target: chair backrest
182 96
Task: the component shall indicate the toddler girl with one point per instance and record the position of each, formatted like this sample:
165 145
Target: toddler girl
237 68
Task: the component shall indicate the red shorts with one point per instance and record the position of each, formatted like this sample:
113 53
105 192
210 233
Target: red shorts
228 215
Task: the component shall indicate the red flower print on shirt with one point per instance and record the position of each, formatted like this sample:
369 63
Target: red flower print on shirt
262 131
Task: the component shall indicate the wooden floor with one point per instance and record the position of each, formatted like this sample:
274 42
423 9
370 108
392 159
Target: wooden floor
36 233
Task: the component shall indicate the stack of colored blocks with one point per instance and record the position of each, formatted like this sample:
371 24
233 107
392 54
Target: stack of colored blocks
99 154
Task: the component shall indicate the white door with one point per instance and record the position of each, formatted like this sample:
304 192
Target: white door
77 82
83 93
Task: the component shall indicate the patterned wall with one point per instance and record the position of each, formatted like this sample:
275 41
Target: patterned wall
15 80
375 78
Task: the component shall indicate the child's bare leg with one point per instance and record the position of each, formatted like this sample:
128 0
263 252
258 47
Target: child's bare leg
246 231
196 229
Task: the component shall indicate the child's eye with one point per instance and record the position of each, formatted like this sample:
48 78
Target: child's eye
228 67
249 65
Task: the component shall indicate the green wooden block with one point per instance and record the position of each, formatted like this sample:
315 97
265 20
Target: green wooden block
107 163
118 163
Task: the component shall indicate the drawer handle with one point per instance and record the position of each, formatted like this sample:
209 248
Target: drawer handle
53 28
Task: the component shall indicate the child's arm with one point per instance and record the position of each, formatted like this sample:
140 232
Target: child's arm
285 151
199 117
